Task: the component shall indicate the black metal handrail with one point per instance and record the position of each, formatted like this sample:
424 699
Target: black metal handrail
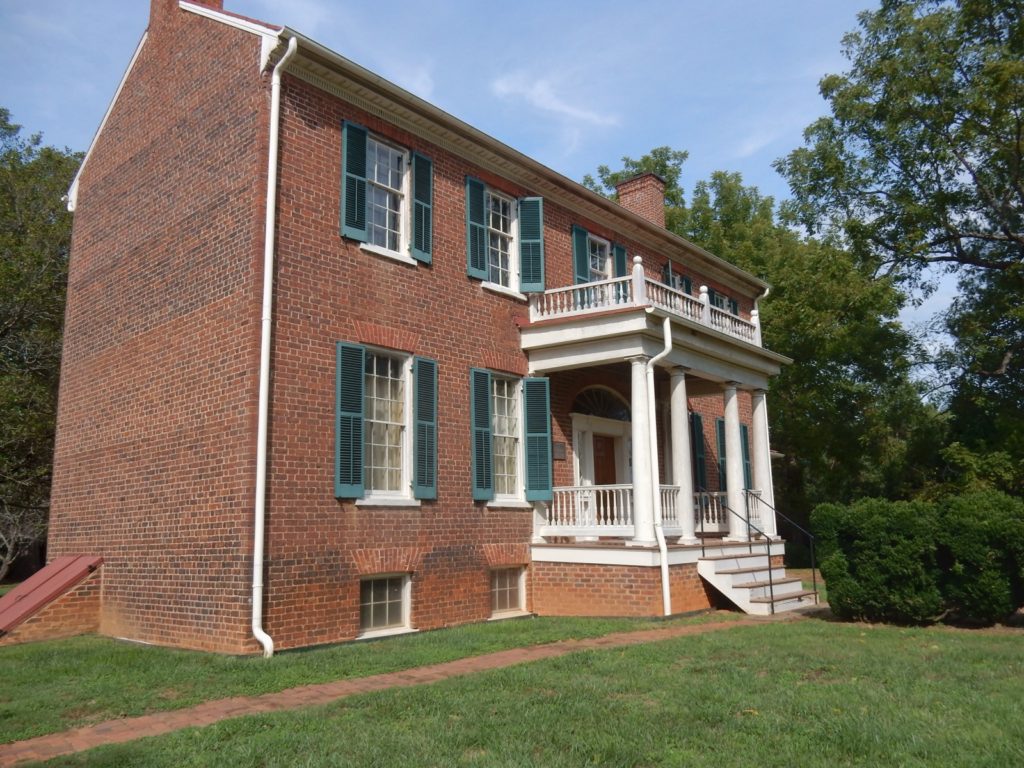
804 531
750 545
748 494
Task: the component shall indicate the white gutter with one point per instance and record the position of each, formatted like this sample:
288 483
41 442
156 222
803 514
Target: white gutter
264 406
659 533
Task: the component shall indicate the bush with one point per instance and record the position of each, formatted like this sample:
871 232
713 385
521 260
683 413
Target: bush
961 558
981 554
878 559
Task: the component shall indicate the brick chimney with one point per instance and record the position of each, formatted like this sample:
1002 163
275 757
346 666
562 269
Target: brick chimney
644 195
161 9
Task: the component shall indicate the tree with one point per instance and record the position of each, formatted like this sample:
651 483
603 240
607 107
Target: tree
846 416
919 170
35 236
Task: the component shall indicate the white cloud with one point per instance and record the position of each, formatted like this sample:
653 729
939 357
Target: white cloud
540 94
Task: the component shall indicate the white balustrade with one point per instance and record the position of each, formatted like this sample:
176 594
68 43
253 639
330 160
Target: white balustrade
753 499
670 507
590 510
619 292
710 508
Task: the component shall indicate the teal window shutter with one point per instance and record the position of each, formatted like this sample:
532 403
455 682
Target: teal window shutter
580 254
687 285
720 431
745 444
353 181
537 412
348 438
712 297
424 484
476 229
422 207
734 306
619 257
480 420
531 245
700 469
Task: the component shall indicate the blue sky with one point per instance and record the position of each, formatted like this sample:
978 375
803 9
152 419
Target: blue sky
573 84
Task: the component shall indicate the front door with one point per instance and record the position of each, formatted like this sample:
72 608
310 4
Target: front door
604 460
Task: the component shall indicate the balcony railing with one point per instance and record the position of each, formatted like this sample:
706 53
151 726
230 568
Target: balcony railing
594 511
641 291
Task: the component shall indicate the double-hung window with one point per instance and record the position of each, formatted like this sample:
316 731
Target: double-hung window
595 258
723 302
387 196
506 437
504 239
386 425
511 437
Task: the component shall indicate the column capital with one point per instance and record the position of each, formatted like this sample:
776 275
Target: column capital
678 370
733 385
641 359
760 392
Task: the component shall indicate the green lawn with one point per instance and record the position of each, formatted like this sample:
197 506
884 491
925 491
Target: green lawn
808 693
56 685
5 588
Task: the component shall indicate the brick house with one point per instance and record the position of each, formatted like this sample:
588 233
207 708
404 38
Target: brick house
339 365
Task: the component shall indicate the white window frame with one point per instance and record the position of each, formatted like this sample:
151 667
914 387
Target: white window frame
404 493
521 578
608 270
513 254
394 629
405 208
519 495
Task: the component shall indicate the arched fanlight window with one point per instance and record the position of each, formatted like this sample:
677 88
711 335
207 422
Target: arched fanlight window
600 401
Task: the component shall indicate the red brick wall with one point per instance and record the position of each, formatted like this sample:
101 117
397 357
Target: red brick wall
155 457
575 589
155 449
76 612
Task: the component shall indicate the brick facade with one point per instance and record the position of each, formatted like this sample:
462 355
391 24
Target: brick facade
156 448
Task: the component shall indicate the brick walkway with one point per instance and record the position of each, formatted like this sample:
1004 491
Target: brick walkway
128 729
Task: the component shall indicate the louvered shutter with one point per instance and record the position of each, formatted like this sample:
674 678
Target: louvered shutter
537 410
531 245
619 257
422 207
476 229
580 255
745 445
348 441
720 433
480 421
700 474
353 181
424 484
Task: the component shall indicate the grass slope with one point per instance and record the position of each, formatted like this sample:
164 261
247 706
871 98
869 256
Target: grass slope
811 693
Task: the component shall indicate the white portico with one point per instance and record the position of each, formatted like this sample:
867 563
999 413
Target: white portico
634 460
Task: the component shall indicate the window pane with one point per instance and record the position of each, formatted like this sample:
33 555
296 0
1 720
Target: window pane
385 428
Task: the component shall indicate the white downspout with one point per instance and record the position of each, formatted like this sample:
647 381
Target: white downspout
666 592
264 404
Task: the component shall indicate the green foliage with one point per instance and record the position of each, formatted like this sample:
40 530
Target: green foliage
878 559
960 558
919 170
981 554
35 235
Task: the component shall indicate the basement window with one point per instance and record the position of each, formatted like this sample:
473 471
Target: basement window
507 591
384 605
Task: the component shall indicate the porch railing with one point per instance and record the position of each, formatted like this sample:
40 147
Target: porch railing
710 508
590 510
631 291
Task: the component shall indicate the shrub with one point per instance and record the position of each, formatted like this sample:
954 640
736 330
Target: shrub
960 558
980 550
878 559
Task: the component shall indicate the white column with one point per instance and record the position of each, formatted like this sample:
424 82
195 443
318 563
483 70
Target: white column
734 465
643 490
681 462
762 460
